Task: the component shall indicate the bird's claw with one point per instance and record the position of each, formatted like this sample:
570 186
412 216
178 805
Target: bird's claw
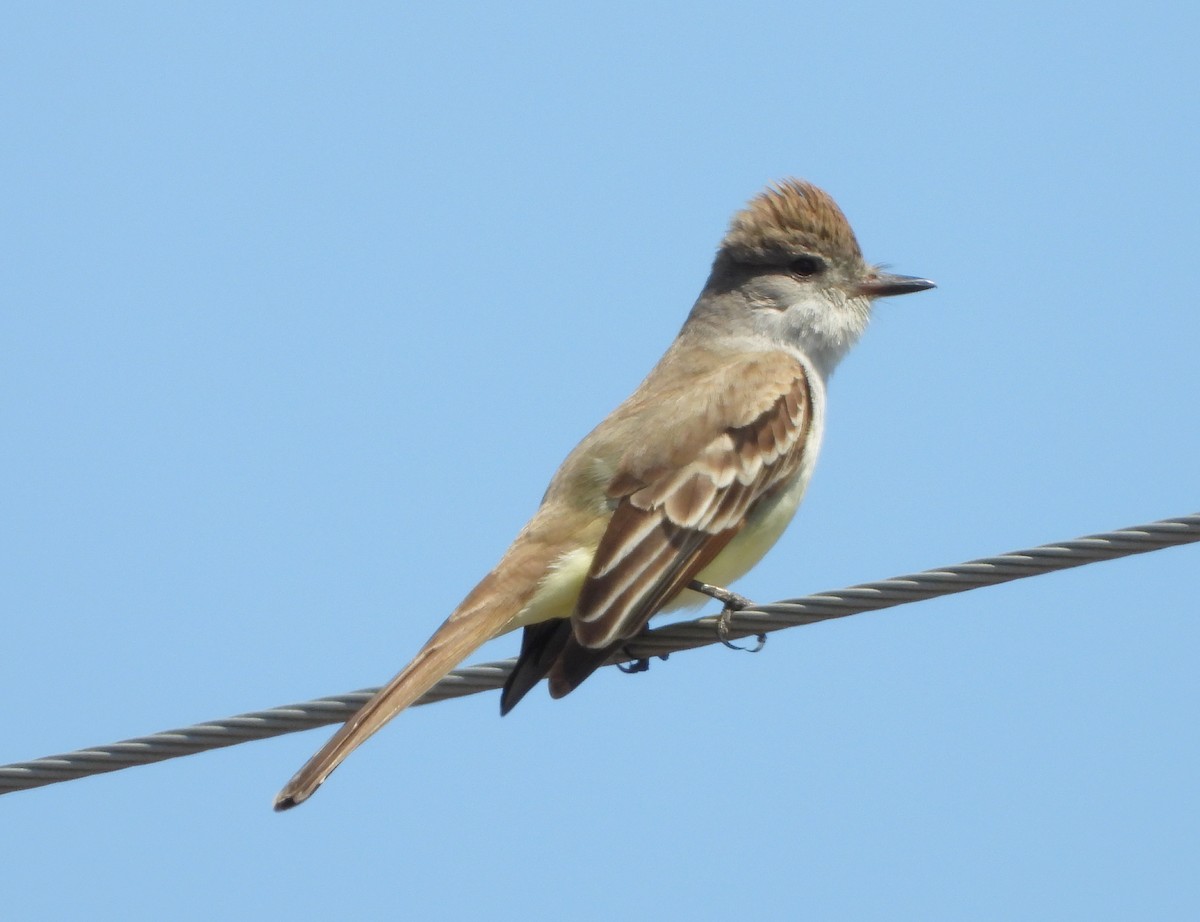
637 663
732 602
635 666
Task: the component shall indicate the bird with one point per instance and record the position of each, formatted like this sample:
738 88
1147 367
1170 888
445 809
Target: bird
692 478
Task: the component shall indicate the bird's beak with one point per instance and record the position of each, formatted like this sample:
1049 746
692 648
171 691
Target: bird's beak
884 284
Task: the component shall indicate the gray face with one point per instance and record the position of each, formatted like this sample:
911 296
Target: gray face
809 303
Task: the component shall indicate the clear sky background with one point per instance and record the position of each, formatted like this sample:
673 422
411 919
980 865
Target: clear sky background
302 306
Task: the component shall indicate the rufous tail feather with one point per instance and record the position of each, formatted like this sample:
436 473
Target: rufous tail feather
483 614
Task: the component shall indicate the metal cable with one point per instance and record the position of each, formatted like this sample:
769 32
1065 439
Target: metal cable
760 619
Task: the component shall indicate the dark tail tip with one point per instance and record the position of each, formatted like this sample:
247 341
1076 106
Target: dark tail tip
286 799
284 803
540 647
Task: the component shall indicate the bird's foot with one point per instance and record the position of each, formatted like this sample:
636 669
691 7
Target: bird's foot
635 665
732 602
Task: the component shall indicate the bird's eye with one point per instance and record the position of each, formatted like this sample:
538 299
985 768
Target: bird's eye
806 266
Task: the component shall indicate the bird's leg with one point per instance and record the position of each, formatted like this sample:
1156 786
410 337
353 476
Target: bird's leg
732 602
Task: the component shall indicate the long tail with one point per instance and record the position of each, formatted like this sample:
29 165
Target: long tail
481 616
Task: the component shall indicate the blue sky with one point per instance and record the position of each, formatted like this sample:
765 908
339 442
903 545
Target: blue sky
277 278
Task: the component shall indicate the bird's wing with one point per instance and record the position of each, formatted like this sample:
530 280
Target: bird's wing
674 514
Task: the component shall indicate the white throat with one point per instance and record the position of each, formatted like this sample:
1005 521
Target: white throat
822 326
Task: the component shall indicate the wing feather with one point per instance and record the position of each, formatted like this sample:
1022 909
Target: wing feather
671 521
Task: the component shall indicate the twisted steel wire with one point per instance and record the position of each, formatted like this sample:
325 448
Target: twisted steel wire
756 620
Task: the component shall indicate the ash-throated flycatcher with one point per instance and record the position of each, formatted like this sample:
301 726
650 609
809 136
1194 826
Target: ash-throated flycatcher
695 476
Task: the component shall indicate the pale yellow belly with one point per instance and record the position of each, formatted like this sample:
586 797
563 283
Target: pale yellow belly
560 589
